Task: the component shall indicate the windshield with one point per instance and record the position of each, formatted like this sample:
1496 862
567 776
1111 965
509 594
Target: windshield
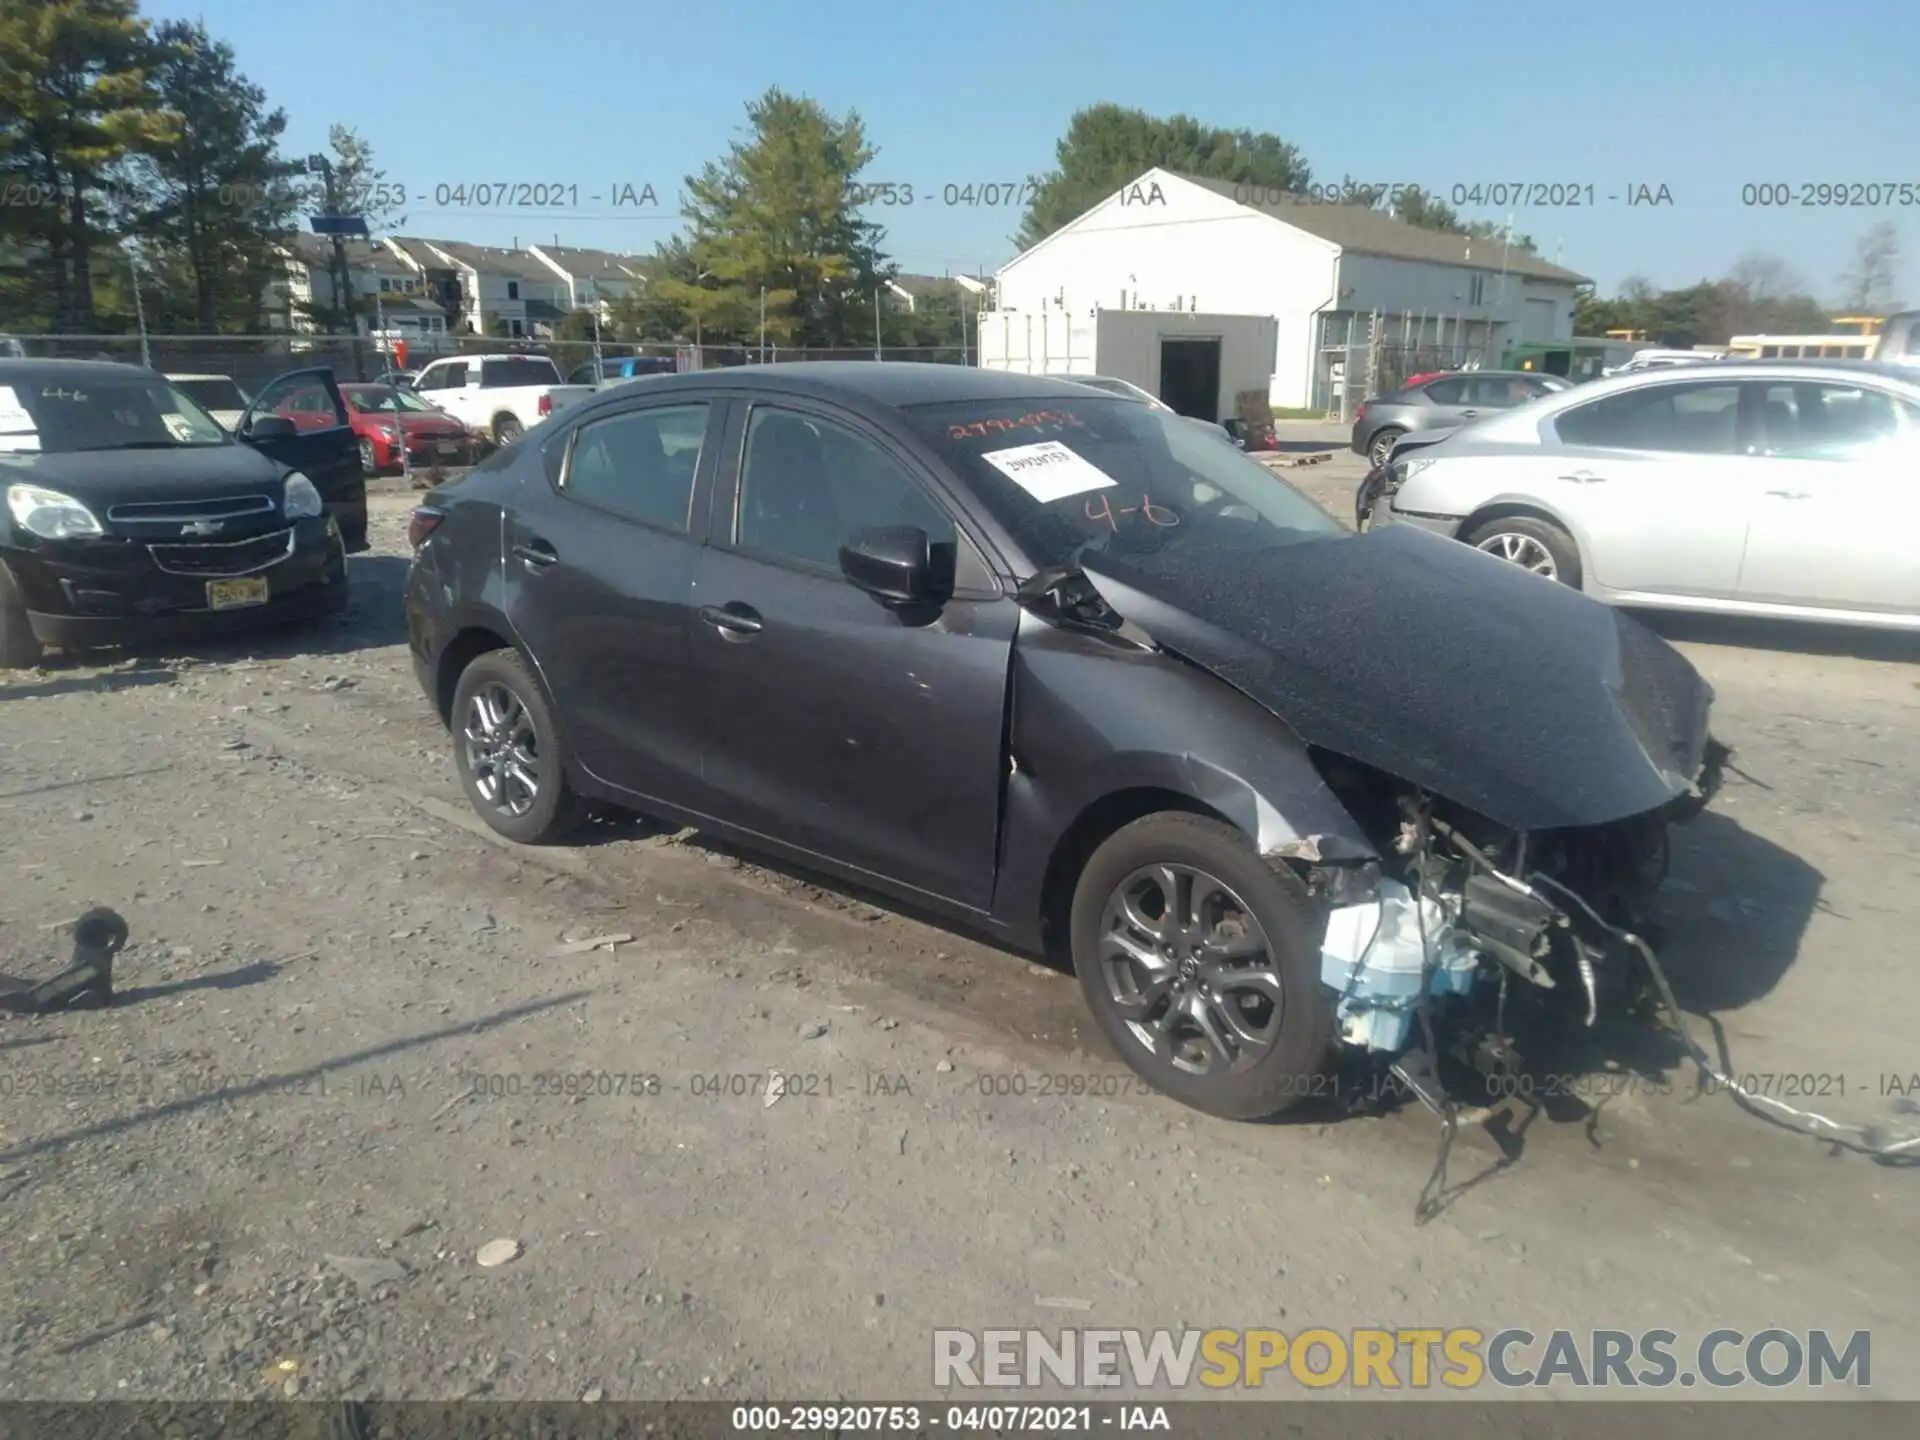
384 400
218 394
67 417
1114 387
1114 477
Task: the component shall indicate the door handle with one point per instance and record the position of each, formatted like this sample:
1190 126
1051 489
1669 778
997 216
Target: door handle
1789 494
536 553
1584 477
1468 414
732 621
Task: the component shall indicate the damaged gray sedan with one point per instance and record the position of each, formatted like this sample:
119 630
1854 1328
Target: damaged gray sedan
1068 671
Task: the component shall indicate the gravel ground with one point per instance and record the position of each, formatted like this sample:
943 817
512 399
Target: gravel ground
358 1040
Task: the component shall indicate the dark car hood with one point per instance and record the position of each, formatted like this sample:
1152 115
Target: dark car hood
100 478
1520 699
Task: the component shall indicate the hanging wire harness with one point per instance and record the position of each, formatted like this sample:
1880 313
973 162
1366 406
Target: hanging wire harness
1500 934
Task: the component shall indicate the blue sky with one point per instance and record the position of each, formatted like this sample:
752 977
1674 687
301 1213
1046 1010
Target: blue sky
1702 96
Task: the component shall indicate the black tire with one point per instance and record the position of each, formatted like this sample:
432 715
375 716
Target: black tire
20 648
506 430
1382 443
555 810
341 584
1506 539
1299 1026
368 465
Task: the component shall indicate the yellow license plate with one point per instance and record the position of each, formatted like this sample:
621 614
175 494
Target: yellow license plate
236 594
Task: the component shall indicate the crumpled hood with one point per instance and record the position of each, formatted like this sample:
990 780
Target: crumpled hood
1521 699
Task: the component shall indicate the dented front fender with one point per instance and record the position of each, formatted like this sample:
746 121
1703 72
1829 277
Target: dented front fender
1093 716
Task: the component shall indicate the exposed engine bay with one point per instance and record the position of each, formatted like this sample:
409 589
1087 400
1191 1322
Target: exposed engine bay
1492 851
1430 945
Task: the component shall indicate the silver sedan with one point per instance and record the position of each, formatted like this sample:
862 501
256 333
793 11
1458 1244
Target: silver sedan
1787 489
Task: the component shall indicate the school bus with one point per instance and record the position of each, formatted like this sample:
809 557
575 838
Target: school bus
1801 347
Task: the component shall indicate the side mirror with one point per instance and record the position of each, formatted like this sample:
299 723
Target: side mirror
269 427
891 562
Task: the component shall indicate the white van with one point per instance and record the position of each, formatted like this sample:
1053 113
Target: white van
1661 359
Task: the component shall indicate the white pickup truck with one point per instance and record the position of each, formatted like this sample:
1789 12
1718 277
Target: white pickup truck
499 396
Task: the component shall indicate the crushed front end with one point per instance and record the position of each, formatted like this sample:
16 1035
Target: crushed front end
1426 947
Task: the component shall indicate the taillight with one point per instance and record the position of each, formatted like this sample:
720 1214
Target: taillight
546 404
1359 415
425 521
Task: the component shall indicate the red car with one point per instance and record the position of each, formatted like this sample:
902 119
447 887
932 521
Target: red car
378 414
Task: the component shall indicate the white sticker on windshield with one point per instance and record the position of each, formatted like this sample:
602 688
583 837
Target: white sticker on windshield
178 426
14 418
1049 470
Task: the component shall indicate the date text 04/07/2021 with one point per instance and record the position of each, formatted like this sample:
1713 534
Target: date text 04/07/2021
987 194
990 1419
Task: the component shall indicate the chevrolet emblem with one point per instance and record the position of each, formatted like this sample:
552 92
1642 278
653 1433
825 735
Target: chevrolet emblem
204 527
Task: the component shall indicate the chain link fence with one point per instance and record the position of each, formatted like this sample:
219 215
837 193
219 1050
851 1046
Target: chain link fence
1362 355
252 360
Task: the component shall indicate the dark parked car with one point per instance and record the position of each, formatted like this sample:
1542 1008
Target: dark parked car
1063 668
1442 403
626 367
133 515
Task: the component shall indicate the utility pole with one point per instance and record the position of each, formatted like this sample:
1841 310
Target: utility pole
699 361
876 318
593 298
343 297
763 324
139 306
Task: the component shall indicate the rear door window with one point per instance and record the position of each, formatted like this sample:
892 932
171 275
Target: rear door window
1809 420
499 374
640 464
1702 418
1451 391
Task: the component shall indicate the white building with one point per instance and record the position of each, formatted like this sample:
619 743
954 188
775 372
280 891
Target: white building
1332 276
384 288
487 289
593 278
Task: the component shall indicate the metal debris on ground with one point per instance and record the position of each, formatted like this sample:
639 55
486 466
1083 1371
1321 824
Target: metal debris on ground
593 942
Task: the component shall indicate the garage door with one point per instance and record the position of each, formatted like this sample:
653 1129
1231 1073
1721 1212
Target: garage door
1539 320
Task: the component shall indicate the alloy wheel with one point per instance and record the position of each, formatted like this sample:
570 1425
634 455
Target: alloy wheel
1522 550
502 750
368 463
1190 970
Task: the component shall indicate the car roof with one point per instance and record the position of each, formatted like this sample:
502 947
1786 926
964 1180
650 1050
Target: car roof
182 375
32 370
1738 369
896 383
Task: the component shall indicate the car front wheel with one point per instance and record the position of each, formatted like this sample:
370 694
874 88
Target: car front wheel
1531 543
1202 965
19 646
508 752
